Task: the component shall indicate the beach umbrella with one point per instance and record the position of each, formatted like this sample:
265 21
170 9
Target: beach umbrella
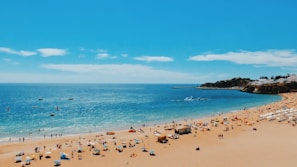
18 159
96 151
57 163
48 154
28 160
152 153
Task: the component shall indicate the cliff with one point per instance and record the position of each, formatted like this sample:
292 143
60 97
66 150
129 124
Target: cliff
272 88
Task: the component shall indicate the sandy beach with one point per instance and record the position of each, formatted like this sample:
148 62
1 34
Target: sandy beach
260 136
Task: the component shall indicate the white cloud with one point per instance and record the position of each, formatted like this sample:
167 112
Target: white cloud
124 55
82 49
47 52
102 50
279 58
16 52
122 73
102 55
154 58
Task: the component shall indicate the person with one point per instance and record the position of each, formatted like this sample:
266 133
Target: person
40 156
79 156
36 149
133 155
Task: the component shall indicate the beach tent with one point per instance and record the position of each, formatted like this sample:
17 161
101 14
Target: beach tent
185 129
57 163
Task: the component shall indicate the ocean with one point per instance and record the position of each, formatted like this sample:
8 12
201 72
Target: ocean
38 110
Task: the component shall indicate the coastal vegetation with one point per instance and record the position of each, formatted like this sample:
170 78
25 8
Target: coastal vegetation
228 84
264 85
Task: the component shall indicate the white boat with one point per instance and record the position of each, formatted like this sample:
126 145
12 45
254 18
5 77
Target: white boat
190 98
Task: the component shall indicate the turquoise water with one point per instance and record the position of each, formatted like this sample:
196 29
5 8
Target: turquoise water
35 110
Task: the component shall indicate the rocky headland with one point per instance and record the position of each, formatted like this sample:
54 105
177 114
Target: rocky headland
264 85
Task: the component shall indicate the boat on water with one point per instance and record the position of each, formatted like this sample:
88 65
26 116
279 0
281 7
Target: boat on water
189 98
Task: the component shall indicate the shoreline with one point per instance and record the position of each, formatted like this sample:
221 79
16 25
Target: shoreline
39 135
218 88
248 120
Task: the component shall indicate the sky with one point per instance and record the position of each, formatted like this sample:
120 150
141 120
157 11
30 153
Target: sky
146 41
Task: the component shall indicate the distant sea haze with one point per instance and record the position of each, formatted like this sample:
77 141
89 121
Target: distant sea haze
42 110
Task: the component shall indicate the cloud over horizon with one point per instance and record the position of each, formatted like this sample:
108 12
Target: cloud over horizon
154 58
128 73
16 52
276 58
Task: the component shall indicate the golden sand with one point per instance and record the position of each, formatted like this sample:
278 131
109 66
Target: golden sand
234 139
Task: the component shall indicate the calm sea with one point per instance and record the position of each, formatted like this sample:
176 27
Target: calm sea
35 110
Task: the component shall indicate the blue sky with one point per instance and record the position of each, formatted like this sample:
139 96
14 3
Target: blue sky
146 41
